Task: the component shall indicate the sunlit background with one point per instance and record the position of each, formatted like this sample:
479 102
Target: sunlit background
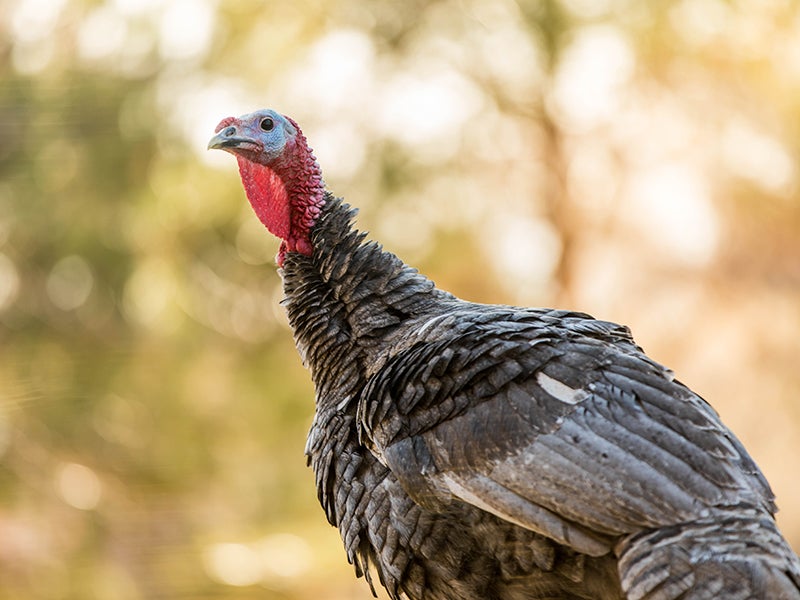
635 160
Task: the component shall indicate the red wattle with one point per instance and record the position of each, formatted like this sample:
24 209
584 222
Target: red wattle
288 195
267 195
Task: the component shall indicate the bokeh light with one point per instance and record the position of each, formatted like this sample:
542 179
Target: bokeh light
634 160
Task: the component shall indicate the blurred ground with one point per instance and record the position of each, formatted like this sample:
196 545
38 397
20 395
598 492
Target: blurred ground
638 161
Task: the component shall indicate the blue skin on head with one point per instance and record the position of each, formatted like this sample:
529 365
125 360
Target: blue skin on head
260 136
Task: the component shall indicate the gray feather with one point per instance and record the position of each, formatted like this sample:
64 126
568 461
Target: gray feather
480 451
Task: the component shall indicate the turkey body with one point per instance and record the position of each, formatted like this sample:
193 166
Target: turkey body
472 451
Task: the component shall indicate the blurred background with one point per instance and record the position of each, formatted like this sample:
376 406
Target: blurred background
635 160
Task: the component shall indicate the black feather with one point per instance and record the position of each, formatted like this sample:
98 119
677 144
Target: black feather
477 451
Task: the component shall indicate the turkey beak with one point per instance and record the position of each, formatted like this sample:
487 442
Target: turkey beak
227 140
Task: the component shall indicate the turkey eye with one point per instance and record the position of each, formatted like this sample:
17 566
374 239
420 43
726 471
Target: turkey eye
267 124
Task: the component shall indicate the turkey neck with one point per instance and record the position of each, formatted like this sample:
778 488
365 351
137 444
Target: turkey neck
347 301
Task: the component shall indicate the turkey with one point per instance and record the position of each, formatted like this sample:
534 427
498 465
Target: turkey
471 451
